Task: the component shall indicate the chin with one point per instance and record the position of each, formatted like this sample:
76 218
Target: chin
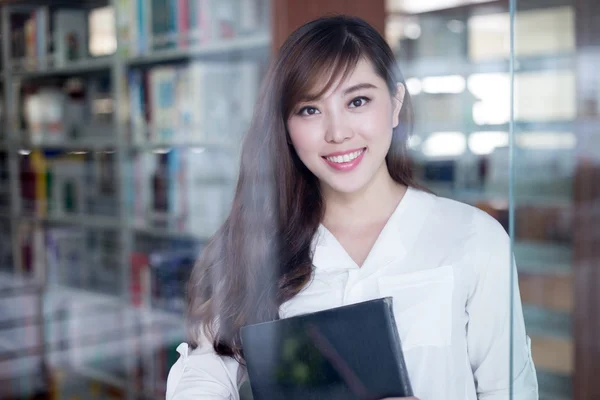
346 186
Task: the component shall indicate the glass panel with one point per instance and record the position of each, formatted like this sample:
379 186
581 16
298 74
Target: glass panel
457 70
546 144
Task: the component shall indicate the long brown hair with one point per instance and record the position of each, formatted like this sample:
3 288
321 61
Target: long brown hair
261 256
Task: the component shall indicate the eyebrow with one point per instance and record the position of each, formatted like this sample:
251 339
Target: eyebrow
347 91
360 86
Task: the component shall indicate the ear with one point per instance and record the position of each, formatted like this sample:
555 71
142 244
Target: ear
397 102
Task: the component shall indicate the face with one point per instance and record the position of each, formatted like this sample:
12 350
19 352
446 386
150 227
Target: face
344 136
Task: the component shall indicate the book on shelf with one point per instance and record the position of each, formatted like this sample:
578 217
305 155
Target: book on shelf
69 256
147 26
4 184
71 111
75 258
159 271
199 102
29 38
70 36
182 190
61 185
48 37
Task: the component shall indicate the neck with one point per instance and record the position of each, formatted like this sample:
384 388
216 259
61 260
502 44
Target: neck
373 203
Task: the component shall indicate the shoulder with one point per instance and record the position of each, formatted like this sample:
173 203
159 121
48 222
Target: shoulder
471 236
201 373
475 223
461 232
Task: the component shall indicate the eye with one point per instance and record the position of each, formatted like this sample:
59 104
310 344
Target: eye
359 102
308 111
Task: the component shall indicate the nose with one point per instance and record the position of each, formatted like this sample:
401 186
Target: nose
337 130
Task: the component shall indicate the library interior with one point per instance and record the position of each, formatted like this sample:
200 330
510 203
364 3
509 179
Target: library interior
121 123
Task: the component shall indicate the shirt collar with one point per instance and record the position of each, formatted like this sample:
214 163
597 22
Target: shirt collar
392 244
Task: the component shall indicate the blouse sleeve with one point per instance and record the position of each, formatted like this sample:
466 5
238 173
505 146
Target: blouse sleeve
489 314
202 374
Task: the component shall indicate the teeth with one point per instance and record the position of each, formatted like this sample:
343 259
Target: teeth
345 158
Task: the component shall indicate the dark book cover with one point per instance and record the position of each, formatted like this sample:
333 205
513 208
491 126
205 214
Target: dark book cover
348 352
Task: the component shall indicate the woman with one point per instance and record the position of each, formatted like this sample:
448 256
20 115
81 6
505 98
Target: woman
326 213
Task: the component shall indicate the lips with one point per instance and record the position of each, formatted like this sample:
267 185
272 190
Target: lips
345 160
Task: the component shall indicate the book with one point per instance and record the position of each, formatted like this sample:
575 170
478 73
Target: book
69 36
347 352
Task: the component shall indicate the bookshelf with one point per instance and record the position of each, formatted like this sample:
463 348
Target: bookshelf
115 126
101 64
108 265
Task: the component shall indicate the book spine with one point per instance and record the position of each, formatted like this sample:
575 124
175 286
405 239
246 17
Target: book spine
173 27
133 27
397 347
42 18
151 165
204 21
197 89
153 111
174 188
136 99
126 21
40 166
70 36
192 21
249 16
159 30
143 25
183 22
31 42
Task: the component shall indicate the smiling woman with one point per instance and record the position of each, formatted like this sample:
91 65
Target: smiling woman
326 213
349 125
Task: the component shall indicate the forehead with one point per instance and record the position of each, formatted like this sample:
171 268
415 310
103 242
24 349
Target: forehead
362 72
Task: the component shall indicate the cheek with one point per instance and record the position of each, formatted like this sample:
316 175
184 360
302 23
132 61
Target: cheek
306 138
377 125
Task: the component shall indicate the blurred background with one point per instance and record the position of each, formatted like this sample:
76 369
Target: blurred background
120 127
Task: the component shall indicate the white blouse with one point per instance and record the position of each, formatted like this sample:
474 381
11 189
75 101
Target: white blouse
447 266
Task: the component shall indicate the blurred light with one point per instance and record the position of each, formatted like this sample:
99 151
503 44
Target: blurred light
546 140
412 30
78 153
414 141
444 84
102 33
161 151
498 204
419 6
198 150
24 152
494 112
456 26
445 144
413 85
499 22
490 86
102 106
394 31
494 92
482 143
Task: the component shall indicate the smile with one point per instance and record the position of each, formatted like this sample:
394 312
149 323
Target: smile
345 161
